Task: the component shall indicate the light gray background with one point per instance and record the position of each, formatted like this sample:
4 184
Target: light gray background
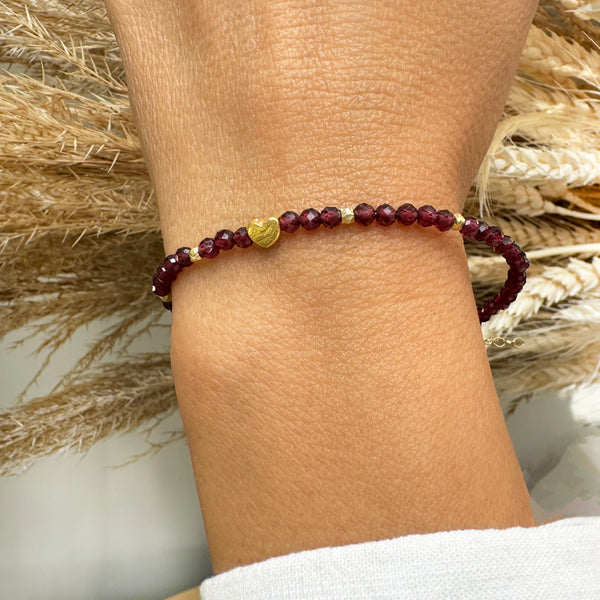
75 528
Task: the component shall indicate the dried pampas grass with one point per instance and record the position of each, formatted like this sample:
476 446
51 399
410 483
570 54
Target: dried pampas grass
114 398
77 199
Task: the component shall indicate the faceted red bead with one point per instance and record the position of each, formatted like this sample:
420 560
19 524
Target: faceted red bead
499 303
483 230
494 237
407 214
164 275
241 238
427 215
483 317
516 256
521 280
517 264
364 214
509 292
504 245
310 219
183 256
512 253
159 286
469 227
289 221
224 239
444 220
171 266
385 214
509 295
517 272
488 307
207 248
331 217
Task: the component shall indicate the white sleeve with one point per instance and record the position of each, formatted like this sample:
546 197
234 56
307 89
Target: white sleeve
554 561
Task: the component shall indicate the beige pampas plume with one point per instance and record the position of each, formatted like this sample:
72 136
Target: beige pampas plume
69 205
46 126
79 237
115 398
53 39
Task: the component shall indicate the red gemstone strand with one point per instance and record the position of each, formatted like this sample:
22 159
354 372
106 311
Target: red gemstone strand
364 214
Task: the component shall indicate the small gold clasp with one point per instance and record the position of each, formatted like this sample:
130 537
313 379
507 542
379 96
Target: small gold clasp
500 342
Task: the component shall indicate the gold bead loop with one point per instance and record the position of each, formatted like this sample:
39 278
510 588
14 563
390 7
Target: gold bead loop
347 215
194 255
459 221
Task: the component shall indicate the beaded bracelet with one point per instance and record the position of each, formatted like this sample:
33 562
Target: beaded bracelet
266 232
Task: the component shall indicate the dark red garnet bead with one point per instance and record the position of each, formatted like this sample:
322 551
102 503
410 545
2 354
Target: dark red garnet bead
183 256
364 214
385 214
488 307
224 239
482 232
407 214
444 220
331 217
289 221
513 254
504 245
171 266
427 215
207 248
241 238
161 287
164 275
310 219
470 227
494 237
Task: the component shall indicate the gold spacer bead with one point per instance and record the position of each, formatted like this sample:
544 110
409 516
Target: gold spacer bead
166 298
194 255
459 221
347 215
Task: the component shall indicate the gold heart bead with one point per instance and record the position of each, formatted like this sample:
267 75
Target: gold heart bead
264 233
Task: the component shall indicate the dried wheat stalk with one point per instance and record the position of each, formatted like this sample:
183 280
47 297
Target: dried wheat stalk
549 232
553 16
533 375
583 9
554 60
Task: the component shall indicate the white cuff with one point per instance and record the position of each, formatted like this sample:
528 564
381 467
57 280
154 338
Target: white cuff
554 561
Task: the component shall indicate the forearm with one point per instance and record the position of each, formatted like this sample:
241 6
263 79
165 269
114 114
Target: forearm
334 388
353 406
